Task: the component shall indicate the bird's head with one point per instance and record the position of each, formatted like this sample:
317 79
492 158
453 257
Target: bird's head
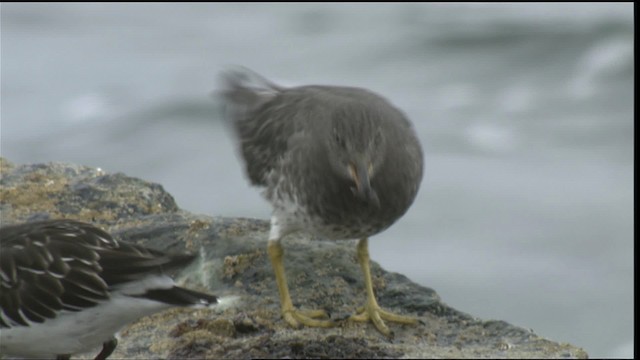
356 147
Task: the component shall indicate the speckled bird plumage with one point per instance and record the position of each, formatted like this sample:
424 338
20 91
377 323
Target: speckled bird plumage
338 162
67 287
286 137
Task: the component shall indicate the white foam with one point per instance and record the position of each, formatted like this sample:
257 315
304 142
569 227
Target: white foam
604 58
490 137
516 99
86 107
455 96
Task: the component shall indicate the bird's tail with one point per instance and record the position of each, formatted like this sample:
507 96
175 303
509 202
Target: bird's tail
179 296
243 90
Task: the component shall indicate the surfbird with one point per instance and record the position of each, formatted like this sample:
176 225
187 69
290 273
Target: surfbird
66 287
337 162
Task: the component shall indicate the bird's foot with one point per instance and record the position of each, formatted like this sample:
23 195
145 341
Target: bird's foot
295 318
377 315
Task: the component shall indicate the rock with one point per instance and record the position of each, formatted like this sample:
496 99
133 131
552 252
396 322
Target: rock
234 263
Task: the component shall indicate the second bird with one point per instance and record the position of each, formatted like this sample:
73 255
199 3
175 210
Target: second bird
337 162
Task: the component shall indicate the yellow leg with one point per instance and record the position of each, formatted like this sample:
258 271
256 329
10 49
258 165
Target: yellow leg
290 314
371 310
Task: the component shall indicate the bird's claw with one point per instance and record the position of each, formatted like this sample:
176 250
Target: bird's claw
377 316
295 318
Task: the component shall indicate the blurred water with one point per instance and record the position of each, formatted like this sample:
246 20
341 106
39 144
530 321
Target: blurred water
525 112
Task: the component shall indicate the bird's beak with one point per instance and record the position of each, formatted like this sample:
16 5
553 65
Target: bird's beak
360 173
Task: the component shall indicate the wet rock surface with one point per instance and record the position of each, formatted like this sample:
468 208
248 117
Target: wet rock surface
233 263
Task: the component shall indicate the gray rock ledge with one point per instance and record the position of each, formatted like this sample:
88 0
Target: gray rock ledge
234 263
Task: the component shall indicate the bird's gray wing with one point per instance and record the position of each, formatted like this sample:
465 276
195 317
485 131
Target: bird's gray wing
264 117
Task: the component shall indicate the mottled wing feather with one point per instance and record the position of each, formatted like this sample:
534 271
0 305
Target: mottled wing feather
42 272
58 265
131 262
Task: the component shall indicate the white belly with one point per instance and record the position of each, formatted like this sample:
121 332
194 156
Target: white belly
75 332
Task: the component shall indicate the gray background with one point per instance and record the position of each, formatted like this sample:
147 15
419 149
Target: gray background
525 112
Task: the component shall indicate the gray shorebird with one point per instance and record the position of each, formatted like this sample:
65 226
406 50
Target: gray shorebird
66 287
337 162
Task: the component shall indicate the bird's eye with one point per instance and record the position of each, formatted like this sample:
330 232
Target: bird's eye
377 140
339 139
